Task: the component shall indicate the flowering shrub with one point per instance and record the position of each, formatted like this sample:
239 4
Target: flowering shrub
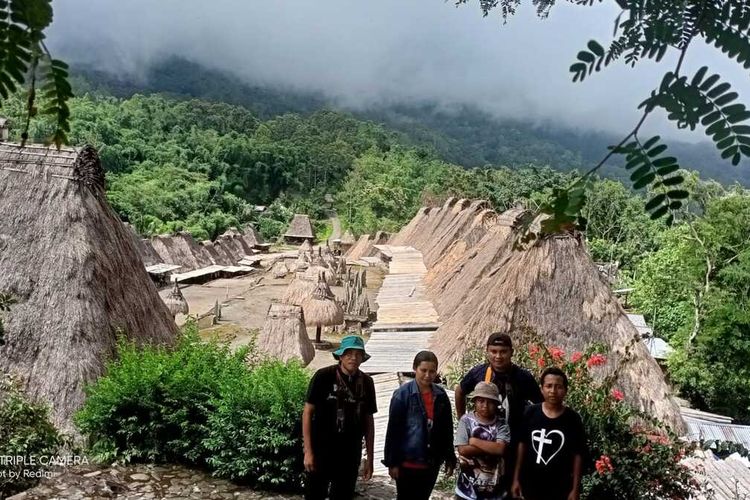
631 456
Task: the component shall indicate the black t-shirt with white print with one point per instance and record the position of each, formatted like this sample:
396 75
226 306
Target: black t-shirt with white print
551 445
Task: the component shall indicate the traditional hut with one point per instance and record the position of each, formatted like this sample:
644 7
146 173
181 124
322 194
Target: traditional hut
74 273
347 241
322 309
279 270
312 273
299 230
253 239
176 302
284 335
551 291
298 291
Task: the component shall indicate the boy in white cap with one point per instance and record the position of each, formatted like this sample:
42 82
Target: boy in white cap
481 440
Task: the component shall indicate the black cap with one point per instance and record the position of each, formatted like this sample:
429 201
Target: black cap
500 339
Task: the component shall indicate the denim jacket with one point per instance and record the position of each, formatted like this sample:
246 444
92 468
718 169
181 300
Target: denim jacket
408 437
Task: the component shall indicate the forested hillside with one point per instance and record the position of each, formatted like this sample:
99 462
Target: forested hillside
459 134
175 163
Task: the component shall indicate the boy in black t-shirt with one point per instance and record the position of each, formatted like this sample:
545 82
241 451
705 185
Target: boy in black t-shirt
338 413
551 447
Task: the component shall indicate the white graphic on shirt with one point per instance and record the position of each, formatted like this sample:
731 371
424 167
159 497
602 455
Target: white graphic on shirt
541 437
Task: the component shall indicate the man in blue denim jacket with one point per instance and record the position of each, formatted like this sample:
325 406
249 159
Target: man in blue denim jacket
420 432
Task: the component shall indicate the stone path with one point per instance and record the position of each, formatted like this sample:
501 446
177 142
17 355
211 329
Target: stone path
169 482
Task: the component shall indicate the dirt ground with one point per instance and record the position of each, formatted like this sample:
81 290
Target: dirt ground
245 303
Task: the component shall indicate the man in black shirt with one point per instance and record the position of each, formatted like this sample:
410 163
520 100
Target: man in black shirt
338 413
517 388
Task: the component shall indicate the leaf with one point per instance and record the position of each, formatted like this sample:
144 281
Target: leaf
659 212
699 76
668 169
657 150
678 194
594 47
718 90
709 82
651 142
655 201
726 99
673 181
644 181
640 172
664 161
586 56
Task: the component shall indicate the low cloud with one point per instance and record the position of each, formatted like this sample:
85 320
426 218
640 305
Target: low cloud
365 52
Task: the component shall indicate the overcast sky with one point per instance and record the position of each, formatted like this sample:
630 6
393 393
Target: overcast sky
365 51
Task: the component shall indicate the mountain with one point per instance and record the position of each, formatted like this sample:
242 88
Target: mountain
461 134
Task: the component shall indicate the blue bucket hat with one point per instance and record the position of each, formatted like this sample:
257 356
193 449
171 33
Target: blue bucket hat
351 342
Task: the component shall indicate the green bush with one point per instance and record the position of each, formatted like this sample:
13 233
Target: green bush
26 431
255 434
199 404
631 455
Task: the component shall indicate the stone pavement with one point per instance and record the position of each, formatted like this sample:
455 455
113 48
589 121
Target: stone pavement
168 482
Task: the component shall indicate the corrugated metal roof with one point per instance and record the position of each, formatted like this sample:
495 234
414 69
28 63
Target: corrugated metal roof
639 322
658 348
702 430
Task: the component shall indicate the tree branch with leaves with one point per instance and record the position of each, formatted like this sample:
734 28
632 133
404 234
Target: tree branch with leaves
650 29
25 60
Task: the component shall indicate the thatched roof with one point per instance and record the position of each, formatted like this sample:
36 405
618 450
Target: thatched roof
312 273
365 246
176 302
240 244
306 247
284 335
251 236
321 308
348 238
298 291
182 250
279 270
480 284
300 227
75 274
360 247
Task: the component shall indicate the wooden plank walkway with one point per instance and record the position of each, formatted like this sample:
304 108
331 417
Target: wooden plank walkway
402 298
394 351
405 325
385 384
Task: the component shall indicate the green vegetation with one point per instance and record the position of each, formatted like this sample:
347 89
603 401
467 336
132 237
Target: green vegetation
176 164
200 404
648 31
629 453
25 430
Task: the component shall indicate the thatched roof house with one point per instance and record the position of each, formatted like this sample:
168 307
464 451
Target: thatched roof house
479 283
284 335
299 230
75 274
347 240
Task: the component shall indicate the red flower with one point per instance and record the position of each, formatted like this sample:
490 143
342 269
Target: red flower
618 395
576 357
557 353
604 465
533 350
596 360
540 362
